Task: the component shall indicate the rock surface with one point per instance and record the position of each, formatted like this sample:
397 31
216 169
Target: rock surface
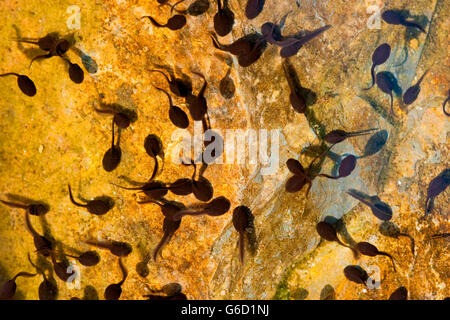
56 138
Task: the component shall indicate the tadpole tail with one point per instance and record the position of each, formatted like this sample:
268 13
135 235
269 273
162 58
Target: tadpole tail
30 226
328 176
73 200
164 240
127 188
314 34
44 56
390 257
124 271
415 25
372 73
9 74
174 5
392 105
14 205
154 22
24 274
216 43
155 170
361 132
355 252
166 93
98 244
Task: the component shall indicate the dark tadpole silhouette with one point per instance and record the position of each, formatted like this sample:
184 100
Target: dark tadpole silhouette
396 18
375 143
61 46
168 208
379 56
121 119
385 84
445 102
42 244
254 8
216 207
440 236
153 147
76 74
294 45
368 249
197 105
61 268
346 167
26 85
201 187
48 289
8 289
113 155
35 209
178 87
117 248
223 19
113 291
399 294
154 189
99 206
45 43
88 258
412 92
176 115
380 209
356 274
241 46
227 87
241 221
327 232
170 226
436 187
389 229
172 291
336 136
176 22
196 8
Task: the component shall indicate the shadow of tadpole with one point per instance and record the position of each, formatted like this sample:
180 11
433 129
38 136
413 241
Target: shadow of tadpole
380 209
90 293
299 294
88 62
328 293
375 143
309 96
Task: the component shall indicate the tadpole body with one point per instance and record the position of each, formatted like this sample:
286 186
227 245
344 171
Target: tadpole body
98 207
26 85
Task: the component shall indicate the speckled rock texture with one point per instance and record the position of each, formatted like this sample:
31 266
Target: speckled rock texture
56 138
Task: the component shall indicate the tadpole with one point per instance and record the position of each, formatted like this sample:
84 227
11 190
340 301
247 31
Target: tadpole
436 187
176 22
88 258
241 221
97 206
153 147
327 232
76 74
356 274
227 87
346 167
412 92
61 268
26 85
336 136
176 115
297 100
367 249
384 83
216 207
47 289
294 45
395 18
8 289
35 209
121 119
117 248
153 189
379 56
380 209
254 8
113 291
170 226
197 105
177 86
223 19
42 244
399 294
196 8
113 155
